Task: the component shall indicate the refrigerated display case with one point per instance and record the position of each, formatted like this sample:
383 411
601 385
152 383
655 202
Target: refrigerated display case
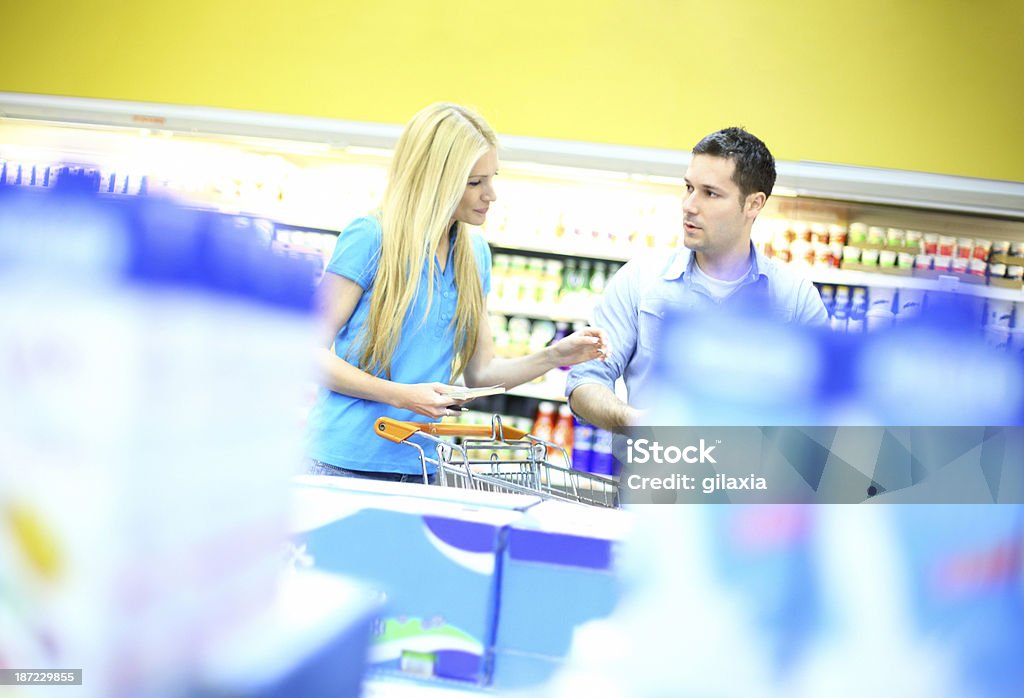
568 213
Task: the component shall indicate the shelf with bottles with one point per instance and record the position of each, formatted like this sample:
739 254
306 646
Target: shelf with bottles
550 389
556 198
577 251
855 309
589 449
306 184
518 336
547 287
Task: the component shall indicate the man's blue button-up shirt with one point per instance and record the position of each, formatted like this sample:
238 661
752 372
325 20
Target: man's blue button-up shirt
640 293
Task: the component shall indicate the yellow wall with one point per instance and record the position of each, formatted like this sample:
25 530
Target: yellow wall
931 85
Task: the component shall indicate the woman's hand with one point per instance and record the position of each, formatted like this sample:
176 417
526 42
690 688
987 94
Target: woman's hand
583 345
428 399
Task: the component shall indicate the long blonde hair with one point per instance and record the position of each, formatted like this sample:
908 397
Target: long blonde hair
426 181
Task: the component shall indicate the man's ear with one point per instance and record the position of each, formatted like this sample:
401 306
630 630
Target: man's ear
754 203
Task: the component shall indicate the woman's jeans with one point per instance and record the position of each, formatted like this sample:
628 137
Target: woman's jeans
320 468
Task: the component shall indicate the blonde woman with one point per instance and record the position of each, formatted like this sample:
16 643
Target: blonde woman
403 302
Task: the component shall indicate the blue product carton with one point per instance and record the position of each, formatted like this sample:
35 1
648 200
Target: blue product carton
557 572
312 640
432 553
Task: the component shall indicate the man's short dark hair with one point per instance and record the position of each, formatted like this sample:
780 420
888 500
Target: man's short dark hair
755 166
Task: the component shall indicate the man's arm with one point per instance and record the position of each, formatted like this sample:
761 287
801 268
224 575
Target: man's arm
591 384
601 407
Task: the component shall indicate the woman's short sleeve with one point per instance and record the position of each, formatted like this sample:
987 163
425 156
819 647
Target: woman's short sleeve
482 251
357 252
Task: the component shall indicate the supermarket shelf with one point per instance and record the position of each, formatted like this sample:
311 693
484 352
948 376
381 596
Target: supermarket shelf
812 179
949 283
536 312
549 390
505 245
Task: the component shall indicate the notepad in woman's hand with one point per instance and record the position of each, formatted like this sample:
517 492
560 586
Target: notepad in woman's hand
461 393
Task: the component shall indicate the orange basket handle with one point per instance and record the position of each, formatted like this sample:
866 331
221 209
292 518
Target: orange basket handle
397 431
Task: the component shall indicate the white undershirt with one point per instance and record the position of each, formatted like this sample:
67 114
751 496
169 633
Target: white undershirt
719 290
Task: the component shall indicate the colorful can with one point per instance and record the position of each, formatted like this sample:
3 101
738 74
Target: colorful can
947 245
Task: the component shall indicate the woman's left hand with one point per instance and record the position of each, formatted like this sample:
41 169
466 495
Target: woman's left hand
583 345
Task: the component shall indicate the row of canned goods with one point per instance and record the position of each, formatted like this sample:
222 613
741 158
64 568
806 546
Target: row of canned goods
890 259
834 245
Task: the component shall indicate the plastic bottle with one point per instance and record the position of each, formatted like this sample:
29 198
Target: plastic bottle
544 423
599 279
515 280
551 283
571 285
582 446
602 461
583 296
499 279
518 335
838 322
855 323
562 434
533 280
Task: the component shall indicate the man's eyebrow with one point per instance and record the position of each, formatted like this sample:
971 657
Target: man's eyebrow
712 187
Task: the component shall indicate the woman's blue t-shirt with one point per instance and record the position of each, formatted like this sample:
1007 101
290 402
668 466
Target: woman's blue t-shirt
341 427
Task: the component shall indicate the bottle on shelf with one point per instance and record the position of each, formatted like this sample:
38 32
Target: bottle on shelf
499 331
544 423
602 460
562 434
838 321
598 280
516 278
551 283
518 336
582 446
532 286
583 292
574 287
499 279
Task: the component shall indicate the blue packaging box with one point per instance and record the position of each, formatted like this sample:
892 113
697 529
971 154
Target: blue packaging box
557 572
432 553
312 640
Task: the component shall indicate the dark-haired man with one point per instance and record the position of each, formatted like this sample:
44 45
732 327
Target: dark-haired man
730 177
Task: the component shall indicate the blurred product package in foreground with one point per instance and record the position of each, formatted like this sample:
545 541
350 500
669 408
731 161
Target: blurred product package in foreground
152 377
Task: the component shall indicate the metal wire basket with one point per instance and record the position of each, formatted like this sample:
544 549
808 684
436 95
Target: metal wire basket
499 458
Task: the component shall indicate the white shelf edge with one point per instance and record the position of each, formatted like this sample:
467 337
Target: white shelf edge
564 252
849 277
535 312
540 391
814 179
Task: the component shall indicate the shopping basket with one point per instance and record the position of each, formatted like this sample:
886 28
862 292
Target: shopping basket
499 458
